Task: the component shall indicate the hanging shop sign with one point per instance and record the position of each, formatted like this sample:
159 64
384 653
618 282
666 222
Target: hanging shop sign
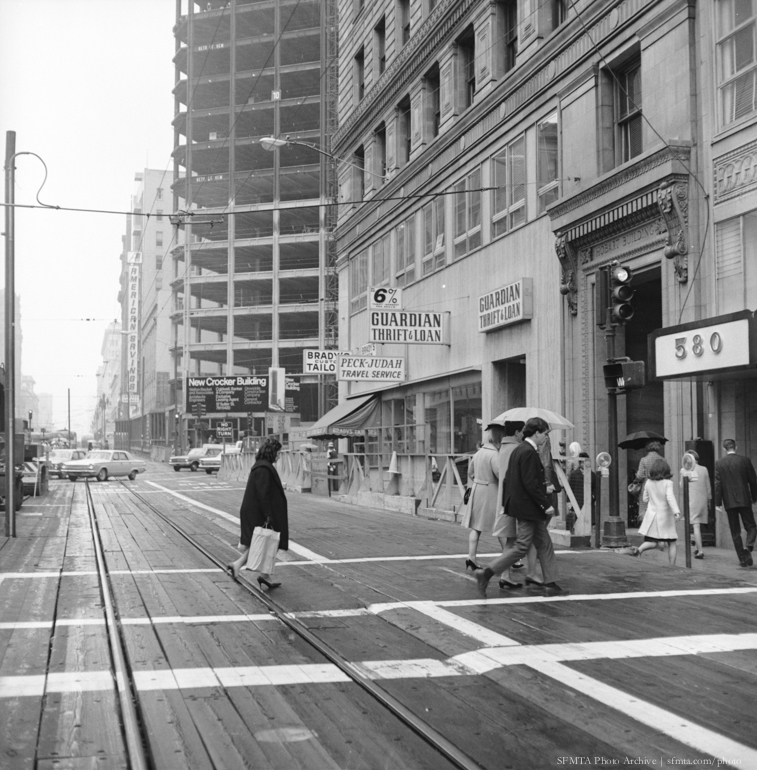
319 361
507 305
709 347
409 327
134 263
243 394
384 298
373 368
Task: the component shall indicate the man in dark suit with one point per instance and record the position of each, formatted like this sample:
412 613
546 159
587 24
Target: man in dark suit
526 500
736 490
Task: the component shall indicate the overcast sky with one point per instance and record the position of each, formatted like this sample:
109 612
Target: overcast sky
85 84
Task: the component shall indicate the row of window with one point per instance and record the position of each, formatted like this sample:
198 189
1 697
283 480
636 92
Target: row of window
426 227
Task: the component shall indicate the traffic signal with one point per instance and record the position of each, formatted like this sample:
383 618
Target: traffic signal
624 375
621 293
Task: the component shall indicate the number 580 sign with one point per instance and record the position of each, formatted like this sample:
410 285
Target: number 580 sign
384 298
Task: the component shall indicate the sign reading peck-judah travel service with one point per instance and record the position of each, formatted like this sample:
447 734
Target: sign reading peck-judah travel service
361 368
409 327
506 305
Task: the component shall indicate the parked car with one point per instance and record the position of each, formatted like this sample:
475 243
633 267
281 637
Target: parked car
103 463
60 456
212 463
192 459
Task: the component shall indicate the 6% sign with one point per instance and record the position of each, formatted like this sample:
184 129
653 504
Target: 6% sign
384 298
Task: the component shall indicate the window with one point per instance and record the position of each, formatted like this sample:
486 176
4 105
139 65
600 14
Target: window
509 195
403 18
159 215
508 16
434 255
360 173
380 151
468 214
360 74
381 261
158 238
159 193
557 13
466 52
379 38
433 100
398 426
737 64
404 138
405 272
628 111
547 162
735 257
359 282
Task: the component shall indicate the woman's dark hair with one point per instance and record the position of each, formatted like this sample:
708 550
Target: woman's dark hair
269 450
659 470
653 446
511 428
535 425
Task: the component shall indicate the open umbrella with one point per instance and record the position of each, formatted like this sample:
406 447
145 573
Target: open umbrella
525 413
640 439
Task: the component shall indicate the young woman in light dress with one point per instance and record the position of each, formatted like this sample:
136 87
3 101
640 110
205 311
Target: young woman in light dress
659 524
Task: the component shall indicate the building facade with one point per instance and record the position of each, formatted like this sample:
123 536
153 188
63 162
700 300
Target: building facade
106 412
497 157
254 284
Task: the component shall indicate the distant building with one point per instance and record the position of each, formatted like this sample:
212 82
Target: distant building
45 412
108 386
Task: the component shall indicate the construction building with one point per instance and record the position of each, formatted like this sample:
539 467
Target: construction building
253 284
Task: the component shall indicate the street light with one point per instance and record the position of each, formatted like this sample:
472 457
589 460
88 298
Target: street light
272 143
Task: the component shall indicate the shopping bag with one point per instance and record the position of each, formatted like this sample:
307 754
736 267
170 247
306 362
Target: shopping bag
263 548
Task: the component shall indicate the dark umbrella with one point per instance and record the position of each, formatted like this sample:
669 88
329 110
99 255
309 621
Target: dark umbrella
640 439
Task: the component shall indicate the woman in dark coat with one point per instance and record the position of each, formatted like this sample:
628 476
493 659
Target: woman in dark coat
263 498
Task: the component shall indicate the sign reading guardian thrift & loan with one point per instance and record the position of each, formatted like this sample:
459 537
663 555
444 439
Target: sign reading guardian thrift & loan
409 327
506 305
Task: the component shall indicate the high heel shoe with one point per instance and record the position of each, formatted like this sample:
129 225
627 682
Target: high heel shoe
507 584
264 582
532 582
471 565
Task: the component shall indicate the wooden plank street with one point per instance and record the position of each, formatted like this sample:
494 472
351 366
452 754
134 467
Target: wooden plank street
642 664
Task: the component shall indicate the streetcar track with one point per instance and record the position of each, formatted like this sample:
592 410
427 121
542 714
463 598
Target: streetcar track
421 728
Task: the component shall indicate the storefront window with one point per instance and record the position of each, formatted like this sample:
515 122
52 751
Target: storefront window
398 425
467 410
438 421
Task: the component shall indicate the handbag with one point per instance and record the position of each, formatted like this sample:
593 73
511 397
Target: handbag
466 496
263 548
465 509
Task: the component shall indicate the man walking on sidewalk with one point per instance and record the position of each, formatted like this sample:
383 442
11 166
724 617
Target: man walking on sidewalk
526 499
736 490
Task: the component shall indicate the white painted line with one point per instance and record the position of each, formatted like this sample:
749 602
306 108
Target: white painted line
196 619
301 550
461 625
726 750
80 681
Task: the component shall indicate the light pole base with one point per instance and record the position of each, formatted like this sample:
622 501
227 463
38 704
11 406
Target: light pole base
614 535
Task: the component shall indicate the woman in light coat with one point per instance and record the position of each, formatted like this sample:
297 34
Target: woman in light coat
652 453
700 495
483 480
659 524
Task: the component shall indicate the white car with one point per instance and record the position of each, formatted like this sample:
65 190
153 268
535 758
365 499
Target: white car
192 459
103 463
212 463
58 457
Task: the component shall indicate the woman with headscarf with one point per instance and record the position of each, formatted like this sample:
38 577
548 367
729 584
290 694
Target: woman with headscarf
483 478
264 503
652 452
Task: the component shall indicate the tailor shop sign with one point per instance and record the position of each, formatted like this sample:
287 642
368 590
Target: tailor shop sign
238 394
507 305
704 349
409 327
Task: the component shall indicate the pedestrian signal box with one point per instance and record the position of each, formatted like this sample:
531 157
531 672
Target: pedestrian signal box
624 375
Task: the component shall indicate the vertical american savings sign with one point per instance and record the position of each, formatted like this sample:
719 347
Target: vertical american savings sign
134 266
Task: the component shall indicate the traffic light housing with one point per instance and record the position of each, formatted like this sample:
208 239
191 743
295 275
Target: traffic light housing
621 294
624 375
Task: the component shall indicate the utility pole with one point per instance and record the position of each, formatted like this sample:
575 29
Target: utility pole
10 338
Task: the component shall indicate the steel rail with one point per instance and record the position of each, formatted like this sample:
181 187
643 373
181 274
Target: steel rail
126 695
429 734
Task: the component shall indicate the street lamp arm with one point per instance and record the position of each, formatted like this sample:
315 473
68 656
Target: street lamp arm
272 143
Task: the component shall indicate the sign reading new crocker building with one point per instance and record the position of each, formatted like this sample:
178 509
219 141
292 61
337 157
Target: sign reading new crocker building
240 394
507 305
355 368
409 328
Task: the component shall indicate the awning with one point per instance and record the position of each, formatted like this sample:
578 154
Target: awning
349 418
